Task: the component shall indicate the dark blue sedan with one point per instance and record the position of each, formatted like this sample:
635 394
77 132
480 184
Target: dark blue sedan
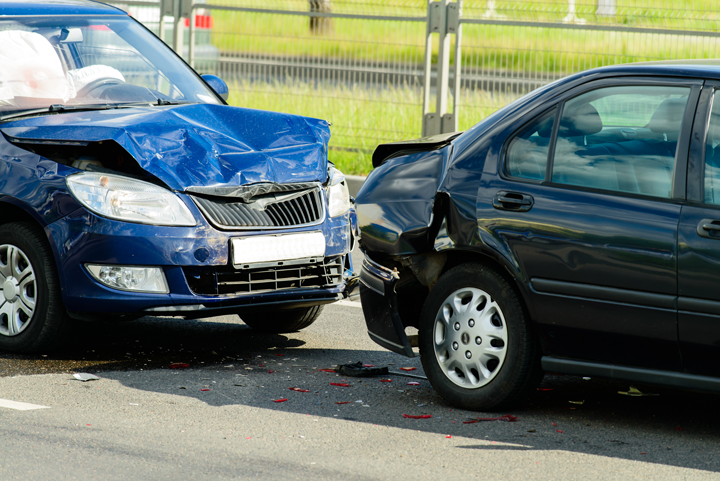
576 230
128 187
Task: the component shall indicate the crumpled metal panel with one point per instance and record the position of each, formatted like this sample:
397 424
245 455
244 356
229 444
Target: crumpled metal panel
226 146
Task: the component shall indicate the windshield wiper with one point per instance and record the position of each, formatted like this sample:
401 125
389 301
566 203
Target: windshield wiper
66 108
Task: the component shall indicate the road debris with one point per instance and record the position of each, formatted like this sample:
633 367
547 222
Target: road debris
421 416
413 383
385 380
635 392
85 377
327 370
358 369
344 402
577 402
408 368
340 384
298 389
507 418
280 400
179 365
205 389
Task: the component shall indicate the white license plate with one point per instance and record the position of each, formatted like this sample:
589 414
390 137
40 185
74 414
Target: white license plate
275 248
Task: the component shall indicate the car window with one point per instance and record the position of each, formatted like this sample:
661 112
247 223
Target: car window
622 139
712 155
527 152
83 60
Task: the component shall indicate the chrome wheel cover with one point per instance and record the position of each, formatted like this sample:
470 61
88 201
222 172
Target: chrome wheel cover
18 290
470 338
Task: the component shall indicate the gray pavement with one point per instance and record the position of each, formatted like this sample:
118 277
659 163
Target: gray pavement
218 419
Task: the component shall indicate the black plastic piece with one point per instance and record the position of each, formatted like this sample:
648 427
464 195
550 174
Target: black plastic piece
358 370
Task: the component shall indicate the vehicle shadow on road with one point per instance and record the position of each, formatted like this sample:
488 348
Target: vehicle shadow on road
230 364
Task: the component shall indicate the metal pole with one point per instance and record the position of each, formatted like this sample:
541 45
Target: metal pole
443 69
427 117
191 47
453 124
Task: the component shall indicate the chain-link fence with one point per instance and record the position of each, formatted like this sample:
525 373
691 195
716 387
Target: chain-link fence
386 70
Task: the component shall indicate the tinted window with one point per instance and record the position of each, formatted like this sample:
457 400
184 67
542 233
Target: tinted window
712 155
527 153
621 138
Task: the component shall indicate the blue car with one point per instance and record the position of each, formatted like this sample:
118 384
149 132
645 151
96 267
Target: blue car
576 231
128 187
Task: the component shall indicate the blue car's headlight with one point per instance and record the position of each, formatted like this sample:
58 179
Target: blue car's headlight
338 195
129 200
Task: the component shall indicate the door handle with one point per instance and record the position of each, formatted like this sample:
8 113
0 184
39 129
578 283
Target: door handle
514 201
709 228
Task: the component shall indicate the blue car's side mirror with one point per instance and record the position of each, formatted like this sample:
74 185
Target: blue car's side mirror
218 85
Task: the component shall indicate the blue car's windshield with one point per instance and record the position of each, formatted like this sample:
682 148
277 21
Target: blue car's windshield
89 61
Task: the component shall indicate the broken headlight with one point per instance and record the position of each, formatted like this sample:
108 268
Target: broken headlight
338 195
129 200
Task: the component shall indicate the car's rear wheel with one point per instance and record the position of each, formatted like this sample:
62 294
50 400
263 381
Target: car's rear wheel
282 320
476 344
32 317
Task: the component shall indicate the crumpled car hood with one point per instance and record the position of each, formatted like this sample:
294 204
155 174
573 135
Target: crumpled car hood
198 147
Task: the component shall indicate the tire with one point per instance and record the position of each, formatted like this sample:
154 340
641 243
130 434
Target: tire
476 343
32 315
280 321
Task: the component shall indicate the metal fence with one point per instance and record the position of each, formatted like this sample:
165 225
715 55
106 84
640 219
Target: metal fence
385 70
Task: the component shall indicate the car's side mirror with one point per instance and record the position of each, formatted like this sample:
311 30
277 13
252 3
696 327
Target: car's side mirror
218 85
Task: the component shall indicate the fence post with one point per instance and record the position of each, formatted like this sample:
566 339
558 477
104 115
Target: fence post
443 19
321 25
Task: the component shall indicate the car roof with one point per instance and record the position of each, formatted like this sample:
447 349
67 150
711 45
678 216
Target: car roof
26 8
707 68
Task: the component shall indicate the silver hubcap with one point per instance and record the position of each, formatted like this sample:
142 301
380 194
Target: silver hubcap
19 290
470 338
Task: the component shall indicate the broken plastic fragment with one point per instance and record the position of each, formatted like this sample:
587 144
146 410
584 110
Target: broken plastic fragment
577 402
422 416
204 389
635 392
85 377
270 371
408 368
299 390
554 424
385 380
280 400
179 365
280 355
341 384
413 383
586 379
343 402
368 365
558 431
507 418
327 370
359 369
448 437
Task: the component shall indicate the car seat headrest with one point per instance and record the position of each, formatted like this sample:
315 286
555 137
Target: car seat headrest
668 116
584 120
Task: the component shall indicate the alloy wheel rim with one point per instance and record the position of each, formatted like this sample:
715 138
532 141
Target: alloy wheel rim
18 290
470 338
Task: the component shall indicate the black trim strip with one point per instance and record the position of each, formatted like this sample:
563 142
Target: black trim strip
547 286
649 376
695 306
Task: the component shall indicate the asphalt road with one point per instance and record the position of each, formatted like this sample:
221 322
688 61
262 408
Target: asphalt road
218 419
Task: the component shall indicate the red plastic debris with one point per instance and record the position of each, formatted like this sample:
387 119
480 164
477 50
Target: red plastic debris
270 371
422 416
408 368
448 437
179 365
544 389
343 402
299 390
341 384
554 424
643 453
368 365
327 370
280 400
249 437
261 365
678 428
385 380
507 418
204 389
413 383
558 431
281 355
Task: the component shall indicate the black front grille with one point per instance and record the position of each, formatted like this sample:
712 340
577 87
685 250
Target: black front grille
227 280
273 210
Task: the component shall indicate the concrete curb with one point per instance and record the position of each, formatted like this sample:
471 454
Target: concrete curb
354 182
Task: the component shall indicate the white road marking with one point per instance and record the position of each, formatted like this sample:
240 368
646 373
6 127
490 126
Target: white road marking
5 403
349 304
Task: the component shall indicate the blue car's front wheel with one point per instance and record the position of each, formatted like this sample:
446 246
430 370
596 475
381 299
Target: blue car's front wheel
32 316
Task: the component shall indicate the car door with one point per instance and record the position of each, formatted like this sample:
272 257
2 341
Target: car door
589 205
699 243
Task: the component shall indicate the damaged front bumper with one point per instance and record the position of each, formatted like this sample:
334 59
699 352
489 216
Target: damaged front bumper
380 307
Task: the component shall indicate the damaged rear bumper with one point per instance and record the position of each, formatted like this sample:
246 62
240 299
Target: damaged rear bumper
380 307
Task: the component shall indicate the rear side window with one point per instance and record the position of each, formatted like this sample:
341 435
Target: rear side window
621 139
712 155
527 152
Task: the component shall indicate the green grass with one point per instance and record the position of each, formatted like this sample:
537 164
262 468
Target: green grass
361 118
